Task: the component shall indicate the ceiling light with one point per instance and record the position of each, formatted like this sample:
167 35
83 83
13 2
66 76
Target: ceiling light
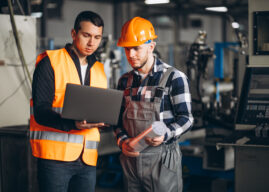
235 25
217 9
156 1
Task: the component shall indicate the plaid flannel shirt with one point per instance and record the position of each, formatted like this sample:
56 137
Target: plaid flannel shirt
175 109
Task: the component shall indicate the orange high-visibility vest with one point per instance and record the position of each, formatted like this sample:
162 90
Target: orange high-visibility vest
51 143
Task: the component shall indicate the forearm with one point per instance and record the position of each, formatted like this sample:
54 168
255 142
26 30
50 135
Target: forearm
121 135
179 127
47 117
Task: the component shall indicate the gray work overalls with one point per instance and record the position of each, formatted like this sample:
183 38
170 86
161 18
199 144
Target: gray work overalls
156 169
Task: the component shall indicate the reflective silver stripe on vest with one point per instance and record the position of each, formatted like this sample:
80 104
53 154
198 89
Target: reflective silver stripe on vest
55 136
56 109
91 144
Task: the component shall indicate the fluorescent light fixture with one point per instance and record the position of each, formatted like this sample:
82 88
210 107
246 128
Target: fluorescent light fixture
217 9
235 25
150 2
36 14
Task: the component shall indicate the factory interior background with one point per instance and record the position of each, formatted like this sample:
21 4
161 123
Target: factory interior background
224 53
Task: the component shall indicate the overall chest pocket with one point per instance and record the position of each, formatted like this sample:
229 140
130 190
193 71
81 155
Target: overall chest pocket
139 114
137 121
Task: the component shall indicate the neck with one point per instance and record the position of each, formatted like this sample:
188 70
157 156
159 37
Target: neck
148 66
82 59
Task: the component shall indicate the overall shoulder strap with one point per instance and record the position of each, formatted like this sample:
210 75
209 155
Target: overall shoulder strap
165 77
130 79
161 86
128 89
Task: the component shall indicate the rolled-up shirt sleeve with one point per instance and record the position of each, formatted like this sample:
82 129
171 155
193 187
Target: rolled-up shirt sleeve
181 106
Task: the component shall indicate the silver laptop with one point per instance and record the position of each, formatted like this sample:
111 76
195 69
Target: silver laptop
95 105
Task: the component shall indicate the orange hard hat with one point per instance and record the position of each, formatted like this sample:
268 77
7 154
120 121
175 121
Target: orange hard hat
136 32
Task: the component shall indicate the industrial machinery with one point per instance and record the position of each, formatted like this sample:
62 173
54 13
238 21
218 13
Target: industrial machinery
214 95
199 54
253 110
251 145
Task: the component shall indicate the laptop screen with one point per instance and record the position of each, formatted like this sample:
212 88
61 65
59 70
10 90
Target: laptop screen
95 105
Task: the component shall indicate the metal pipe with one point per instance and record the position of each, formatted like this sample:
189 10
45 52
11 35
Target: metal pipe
15 33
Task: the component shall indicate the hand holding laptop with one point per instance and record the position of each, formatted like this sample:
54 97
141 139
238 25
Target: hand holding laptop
85 125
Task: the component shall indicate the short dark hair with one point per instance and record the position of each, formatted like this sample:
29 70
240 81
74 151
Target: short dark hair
93 17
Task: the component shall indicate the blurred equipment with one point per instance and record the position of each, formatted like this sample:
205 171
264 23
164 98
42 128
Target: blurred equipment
252 118
214 95
253 109
199 55
260 33
111 58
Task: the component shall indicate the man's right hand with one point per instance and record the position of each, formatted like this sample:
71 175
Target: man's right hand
85 125
128 150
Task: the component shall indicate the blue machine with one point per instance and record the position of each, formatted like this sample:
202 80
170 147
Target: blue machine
219 62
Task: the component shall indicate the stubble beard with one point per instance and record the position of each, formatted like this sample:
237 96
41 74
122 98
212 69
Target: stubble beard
141 66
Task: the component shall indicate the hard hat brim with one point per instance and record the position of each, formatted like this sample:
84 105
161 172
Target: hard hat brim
132 44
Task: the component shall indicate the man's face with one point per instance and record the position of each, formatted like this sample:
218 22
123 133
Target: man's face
87 39
137 56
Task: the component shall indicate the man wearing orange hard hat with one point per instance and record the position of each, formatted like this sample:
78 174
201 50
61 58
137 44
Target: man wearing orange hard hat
156 111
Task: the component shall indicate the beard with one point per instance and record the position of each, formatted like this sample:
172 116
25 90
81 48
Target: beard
141 66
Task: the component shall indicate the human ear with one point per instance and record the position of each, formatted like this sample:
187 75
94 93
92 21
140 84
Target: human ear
152 46
73 34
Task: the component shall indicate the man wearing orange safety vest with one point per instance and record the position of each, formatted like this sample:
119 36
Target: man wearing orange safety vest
66 149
